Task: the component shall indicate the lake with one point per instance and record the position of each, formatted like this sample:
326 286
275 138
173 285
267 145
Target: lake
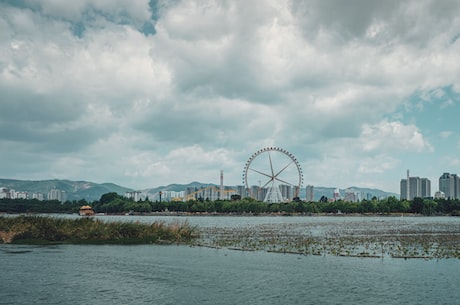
154 274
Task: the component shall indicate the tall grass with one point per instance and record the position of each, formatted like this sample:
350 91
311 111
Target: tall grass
39 229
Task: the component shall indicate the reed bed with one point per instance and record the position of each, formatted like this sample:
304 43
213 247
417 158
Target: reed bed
353 239
85 230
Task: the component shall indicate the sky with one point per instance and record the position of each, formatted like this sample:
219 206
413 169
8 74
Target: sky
148 93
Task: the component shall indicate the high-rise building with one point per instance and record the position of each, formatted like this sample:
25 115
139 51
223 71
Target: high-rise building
351 196
55 194
415 187
403 188
286 191
336 194
449 184
258 192
241 190
425 185
38 196
135 195
310 192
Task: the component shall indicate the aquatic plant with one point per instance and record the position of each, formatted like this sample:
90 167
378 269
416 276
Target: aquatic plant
39 229
391 238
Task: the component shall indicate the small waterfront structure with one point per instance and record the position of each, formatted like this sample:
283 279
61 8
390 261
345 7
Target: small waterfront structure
86 210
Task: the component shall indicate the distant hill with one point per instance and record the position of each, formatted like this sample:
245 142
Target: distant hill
90 191
363 193
75 190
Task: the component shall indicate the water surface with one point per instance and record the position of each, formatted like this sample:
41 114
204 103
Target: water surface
153 274
75 274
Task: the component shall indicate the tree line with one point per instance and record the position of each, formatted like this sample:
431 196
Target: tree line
39 206
113 203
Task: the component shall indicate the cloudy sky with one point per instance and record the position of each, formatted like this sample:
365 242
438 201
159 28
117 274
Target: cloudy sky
147 93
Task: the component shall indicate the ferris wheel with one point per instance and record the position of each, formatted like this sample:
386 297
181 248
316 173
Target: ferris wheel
273 174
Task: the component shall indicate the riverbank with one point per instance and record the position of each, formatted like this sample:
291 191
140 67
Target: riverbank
370 236
54 230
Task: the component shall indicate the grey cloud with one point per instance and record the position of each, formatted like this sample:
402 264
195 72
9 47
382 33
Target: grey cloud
219 53
42 140
22 104
49 122
403 22
110 84
189 125
350 19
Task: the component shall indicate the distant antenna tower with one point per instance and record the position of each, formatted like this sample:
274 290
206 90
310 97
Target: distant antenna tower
221 193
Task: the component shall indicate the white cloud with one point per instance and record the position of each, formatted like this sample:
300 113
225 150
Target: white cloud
447 103
217 81
377 164
445 134
387 136
450 161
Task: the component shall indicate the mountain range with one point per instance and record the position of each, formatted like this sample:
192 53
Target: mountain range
90 191
75 190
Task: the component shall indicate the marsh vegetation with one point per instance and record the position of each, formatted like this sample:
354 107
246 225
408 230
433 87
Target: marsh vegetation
378 237
391 238
86 230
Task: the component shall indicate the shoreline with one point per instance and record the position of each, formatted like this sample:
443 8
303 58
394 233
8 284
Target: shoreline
356 237
37 229
191 214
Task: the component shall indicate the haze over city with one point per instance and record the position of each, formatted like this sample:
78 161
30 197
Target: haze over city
149 93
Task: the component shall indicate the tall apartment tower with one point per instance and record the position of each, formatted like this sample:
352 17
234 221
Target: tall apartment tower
310 193
403 188
449 184
55 194
425 185
415 187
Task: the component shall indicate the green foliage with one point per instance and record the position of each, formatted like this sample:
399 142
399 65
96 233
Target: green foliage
36 206
112 203
109 197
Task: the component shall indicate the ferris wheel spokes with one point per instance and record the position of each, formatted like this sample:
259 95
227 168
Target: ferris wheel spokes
285 182
264 174
269 180
283 169
271 164
275 176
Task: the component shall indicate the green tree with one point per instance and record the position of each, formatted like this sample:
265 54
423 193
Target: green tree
367 206
383 207
429 207
108 197
417 205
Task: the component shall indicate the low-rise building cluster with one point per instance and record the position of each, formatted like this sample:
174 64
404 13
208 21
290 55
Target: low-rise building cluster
53 194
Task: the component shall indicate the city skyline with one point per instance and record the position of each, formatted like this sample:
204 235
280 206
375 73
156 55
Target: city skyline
448 187
144 93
